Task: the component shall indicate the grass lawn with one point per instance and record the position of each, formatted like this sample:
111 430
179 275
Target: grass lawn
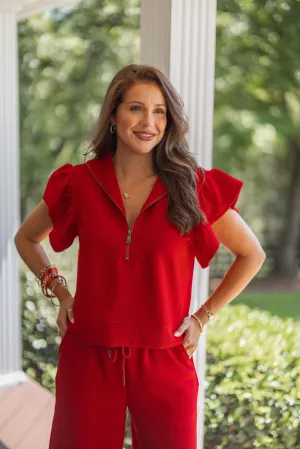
282 304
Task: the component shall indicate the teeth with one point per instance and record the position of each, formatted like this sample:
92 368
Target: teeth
145 135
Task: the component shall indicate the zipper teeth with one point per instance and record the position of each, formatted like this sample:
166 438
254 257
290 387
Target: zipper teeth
129 233
128 242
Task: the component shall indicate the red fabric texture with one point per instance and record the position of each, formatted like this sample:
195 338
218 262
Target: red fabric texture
59 197
136 294
91 399
217 192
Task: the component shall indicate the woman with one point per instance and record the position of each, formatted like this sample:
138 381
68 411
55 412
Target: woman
143 211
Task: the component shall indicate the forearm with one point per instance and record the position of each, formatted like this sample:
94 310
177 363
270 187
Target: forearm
34 256
240 273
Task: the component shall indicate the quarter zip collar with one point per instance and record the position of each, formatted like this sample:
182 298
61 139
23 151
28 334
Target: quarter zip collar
104 171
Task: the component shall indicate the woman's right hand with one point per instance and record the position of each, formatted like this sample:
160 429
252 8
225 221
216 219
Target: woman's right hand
65 313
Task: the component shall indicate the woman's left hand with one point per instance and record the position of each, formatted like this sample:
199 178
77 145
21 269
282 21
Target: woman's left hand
192 331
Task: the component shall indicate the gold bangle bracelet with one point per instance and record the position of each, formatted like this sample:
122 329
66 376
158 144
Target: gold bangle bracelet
199 321
55 285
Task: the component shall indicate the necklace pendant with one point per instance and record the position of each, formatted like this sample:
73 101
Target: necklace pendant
126 196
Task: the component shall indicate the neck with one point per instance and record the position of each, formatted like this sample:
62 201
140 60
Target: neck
133 167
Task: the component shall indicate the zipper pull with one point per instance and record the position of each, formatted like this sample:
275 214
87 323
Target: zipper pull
128 236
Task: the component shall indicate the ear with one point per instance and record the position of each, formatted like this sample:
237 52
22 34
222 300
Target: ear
113 120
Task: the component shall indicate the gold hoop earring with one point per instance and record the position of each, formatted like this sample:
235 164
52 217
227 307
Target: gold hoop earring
112 128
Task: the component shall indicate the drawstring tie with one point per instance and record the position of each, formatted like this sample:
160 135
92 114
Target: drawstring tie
113 354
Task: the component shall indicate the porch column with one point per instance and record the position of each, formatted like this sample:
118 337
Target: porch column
178 36
10 314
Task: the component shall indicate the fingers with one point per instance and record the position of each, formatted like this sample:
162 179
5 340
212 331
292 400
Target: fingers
65 312
191 349
70 314
192 332
189 344
62 324
187 341
190 341
183 327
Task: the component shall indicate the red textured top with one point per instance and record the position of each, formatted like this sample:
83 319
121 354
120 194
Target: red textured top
132 290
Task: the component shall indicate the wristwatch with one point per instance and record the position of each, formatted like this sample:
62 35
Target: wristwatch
210 315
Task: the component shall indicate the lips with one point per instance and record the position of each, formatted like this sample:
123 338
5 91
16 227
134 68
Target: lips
144 136
143 133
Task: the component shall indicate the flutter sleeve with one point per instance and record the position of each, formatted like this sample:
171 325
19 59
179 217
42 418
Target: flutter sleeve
58 196
217 193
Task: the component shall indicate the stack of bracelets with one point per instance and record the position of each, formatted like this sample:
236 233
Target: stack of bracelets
44 279
209 314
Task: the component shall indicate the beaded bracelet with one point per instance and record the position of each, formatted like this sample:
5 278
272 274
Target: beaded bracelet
52 290
45 277
41 272
46 287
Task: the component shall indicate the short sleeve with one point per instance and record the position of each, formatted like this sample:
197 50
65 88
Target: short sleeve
58 196
218 193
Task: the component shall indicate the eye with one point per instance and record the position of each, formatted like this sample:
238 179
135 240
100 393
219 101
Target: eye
138 108
135 108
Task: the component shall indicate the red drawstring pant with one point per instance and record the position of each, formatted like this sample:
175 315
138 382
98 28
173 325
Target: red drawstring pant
96 384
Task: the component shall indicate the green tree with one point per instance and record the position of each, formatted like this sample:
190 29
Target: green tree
257 108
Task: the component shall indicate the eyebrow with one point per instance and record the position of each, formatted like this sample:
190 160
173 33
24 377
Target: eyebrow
140 102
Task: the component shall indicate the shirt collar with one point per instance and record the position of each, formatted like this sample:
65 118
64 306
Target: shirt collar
103 171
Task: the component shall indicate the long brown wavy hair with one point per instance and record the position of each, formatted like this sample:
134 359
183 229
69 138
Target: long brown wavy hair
173 162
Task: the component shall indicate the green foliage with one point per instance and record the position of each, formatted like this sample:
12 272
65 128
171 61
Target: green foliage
257 107
252 381
257 74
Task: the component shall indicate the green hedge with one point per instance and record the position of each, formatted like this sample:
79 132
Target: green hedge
252 381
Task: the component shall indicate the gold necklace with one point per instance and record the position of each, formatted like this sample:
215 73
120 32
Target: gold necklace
126 196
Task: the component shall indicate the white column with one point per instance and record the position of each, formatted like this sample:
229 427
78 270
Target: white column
10 322
178 36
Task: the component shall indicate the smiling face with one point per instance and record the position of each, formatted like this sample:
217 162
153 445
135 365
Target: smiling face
141 118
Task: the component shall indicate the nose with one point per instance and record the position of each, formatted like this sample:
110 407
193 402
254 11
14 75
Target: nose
148 119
